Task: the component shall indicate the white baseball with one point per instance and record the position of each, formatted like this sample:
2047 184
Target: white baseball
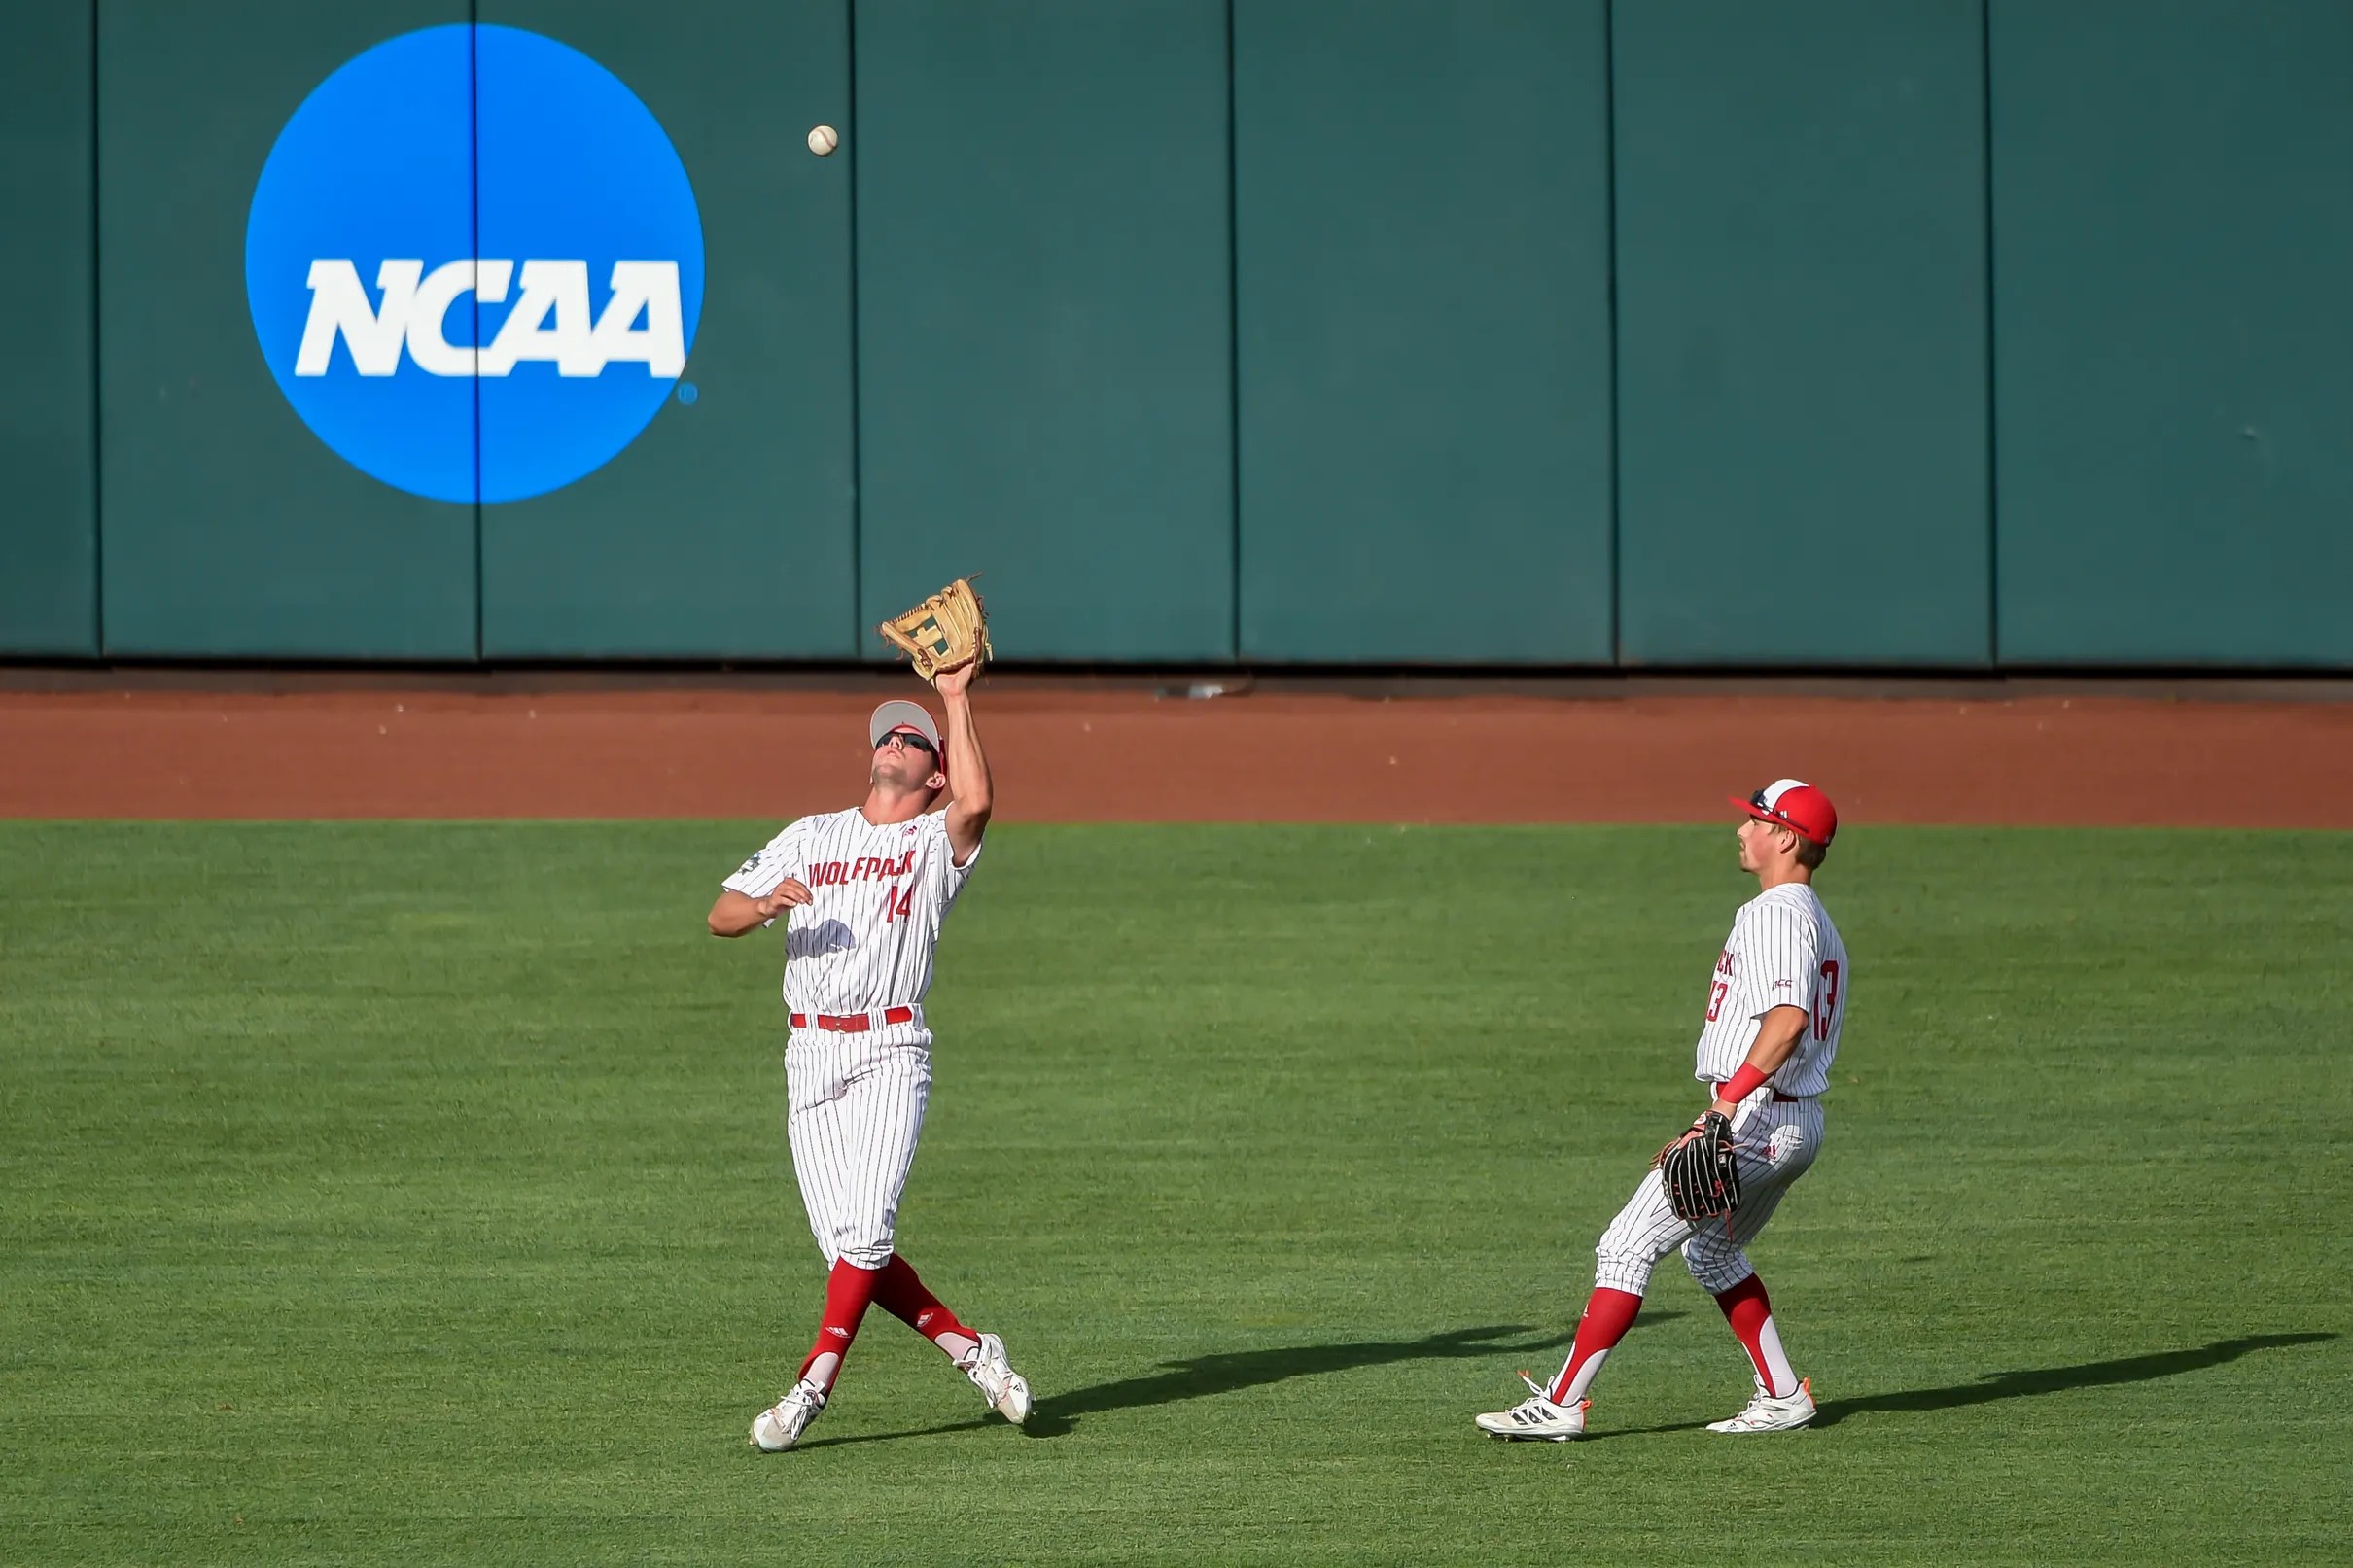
823 139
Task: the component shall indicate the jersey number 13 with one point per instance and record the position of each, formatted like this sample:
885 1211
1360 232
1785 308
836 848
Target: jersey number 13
1826 1000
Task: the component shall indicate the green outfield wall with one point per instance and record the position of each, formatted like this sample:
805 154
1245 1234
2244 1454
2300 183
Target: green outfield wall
2173 355
730 528
49 451
1044 319
1661 334
226 529
1802 367
1422 289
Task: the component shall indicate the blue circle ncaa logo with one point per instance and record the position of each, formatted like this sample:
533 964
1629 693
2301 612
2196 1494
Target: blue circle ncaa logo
475 264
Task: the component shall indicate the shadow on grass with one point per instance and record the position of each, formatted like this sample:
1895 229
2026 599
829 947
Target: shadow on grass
2058 1379
1225 1371
1999 1385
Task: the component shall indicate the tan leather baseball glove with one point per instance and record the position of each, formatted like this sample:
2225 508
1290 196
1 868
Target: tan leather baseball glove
945 632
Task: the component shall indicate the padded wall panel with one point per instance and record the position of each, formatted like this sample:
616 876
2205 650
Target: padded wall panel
1423 347
1802 332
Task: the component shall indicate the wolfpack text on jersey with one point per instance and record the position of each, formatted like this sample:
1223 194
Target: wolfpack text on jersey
879 895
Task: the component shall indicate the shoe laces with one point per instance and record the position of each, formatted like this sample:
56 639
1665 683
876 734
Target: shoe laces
987 1376
1540 1401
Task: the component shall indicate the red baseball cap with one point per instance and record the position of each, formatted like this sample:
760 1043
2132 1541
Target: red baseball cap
1796 805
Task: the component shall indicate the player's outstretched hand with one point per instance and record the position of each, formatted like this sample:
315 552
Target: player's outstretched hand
1694 1130
787 893
955 682
1698 1171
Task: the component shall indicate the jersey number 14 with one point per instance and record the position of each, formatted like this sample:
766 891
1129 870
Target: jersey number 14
897 905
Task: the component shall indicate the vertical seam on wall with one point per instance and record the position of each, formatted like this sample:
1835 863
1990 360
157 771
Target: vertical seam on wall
1609 187
98 427
1233 342
1993 506
474 198
858 457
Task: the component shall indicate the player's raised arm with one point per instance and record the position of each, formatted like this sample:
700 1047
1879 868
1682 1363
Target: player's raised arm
971 792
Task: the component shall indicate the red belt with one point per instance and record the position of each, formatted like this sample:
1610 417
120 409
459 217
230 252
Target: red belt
853 1023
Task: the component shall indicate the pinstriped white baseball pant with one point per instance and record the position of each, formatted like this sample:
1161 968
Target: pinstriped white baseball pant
855 1110
1773 1142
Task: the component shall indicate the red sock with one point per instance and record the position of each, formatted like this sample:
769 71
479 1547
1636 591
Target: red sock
1750 1311
1608 1314
900 1292
848 1290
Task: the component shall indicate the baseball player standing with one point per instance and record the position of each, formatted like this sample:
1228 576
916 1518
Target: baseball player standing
863 894
1774 1005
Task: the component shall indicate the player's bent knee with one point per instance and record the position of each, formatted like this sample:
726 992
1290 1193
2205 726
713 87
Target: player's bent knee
1628 1272
1716 1269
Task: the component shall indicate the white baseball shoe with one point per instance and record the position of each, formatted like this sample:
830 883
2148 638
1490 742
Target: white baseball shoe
1766 1413
1535 1419
1007 1391
780 1427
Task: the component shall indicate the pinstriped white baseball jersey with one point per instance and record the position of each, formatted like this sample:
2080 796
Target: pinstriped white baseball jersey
1784 951
879 896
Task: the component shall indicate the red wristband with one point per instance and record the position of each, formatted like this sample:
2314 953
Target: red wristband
1743 1084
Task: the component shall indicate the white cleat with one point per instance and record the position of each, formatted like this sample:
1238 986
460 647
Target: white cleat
1007 1391
1536 1419
780 1427
1766 1413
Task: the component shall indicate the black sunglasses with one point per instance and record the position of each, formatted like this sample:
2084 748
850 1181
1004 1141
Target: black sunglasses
908 737
1774 813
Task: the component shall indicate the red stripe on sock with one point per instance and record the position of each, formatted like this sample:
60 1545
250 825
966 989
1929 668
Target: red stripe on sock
1608 1314
1746 1307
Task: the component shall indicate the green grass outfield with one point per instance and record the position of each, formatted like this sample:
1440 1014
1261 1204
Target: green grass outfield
417 1194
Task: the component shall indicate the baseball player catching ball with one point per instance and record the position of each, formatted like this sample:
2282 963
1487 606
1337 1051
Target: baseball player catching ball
863 894
1774 1004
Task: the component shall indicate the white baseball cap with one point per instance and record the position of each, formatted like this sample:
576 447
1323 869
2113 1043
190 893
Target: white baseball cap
912 715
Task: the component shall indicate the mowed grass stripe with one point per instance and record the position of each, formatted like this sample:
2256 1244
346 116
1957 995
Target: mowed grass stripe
418 1193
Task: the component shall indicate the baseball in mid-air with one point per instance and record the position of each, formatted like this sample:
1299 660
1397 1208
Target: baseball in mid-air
823 139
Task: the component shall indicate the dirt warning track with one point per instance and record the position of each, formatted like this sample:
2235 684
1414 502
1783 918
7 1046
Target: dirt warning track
1105 754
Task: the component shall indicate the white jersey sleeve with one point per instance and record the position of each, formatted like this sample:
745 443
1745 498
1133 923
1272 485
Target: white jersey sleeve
1778 960
772 863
